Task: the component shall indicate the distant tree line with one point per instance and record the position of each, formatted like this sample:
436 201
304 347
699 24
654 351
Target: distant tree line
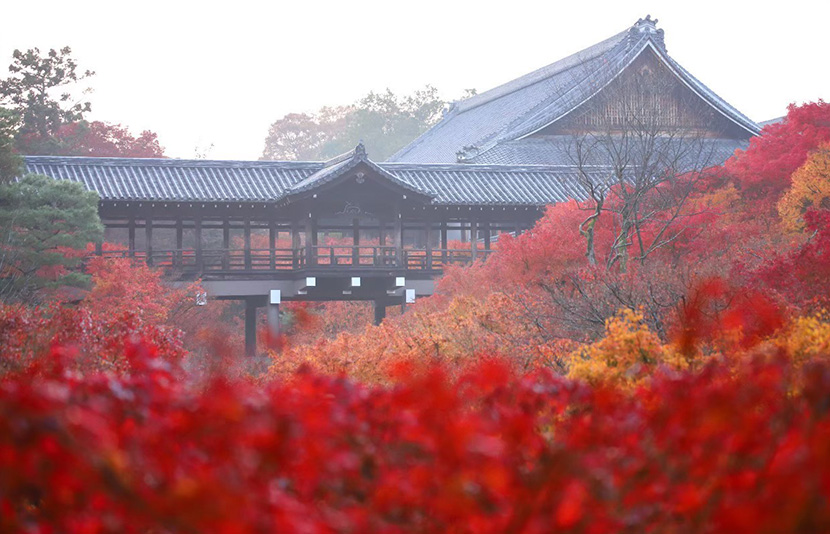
384 121
42 112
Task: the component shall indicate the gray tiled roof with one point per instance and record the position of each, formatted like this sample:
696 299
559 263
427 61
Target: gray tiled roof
340 166
172 180
541 150
535 100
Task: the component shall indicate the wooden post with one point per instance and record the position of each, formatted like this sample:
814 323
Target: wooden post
473 238
380 311
428 245
310 239
226 244
399 239
356 242
444 245
273 311
295 243
178 255
250 327
247 232
487 233
148 234
197 230
131 236
272 245
99 248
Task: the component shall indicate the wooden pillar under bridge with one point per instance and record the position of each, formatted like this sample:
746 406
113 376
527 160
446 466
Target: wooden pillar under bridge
250 327
380 311
274 319
487 233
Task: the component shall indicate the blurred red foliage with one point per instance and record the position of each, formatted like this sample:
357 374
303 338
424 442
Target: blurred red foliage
727 449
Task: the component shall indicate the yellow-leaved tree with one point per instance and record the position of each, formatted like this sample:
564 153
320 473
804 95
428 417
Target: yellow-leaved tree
810 189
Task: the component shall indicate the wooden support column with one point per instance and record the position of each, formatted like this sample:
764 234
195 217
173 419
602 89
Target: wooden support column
148 234
487 233
131 236
473 238
250 327
427 244
177 256
226 244
273 318
99 248
444 253
356 242
399 239
295 243
247 232
197 230
272 245
310 241
380 311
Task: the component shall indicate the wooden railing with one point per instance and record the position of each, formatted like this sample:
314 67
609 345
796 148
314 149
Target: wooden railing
284 259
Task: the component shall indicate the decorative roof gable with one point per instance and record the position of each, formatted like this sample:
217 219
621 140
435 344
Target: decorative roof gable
536 100
343 167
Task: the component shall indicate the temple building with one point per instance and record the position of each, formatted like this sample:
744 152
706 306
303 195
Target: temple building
355 229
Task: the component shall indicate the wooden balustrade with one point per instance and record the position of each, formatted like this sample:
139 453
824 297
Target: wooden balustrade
282 259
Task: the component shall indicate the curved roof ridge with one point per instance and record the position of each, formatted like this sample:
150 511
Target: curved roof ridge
577 90
169 162
541 74
714 99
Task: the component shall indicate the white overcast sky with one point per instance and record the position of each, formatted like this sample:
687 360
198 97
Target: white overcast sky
202 73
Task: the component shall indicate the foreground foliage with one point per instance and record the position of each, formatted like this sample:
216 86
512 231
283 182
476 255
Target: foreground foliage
739 448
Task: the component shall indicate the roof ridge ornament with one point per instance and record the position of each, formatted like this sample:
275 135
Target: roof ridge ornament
360 150
647 27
